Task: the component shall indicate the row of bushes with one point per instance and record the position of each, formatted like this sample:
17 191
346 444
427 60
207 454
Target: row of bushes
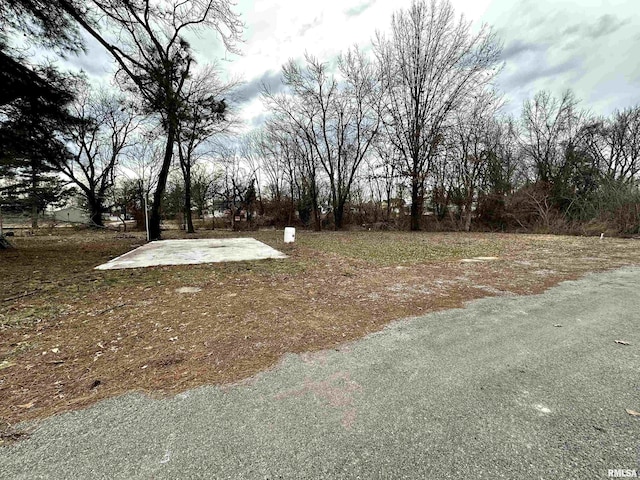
613 209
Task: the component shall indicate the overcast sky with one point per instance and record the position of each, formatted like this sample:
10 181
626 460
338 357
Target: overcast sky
590 46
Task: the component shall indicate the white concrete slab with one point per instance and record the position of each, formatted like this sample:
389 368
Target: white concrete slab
189 252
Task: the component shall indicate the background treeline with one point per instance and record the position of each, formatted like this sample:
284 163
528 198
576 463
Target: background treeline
162 102
555 168
409 135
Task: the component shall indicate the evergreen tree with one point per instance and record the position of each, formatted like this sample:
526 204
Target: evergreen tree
39 22
30 143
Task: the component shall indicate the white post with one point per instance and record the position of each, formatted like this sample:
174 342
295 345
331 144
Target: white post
289 235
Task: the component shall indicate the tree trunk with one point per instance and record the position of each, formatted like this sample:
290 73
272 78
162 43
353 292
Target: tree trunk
468 212
337 218
338 215
292 210
187 200
34 214
467 219
34 196
155 219
316 211
416 205
189 220
388 209
317 220
95 217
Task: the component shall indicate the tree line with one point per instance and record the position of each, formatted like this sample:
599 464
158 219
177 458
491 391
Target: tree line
414 135
409 134
155 70
554 167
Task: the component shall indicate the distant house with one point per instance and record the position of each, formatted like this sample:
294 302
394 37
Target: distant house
71 215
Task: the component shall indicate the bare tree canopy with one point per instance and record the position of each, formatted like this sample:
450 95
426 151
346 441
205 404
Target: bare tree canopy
431 63
471 145
406 134
146 38
100 137
204 116
614 143
339 120
550 124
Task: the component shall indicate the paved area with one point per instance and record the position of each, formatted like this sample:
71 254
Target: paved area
510 387
182 252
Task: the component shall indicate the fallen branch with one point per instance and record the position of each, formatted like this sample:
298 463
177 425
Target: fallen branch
25 294
8 434
111 308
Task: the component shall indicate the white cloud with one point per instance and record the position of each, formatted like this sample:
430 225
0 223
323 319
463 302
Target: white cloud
97 63
282 29
588 45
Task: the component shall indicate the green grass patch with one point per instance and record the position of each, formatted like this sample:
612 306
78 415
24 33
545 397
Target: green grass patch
400 248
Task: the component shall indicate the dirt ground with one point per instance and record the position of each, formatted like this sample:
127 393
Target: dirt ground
70 335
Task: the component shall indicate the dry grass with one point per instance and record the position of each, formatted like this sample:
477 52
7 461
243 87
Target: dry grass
71 335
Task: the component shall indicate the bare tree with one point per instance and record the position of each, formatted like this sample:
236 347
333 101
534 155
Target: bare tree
203 186
615 144
237 183
506 169
431 63
125 197
337 120
250 151
146 39
554 145
273 148
442 180
549 126
291 165
204 116
142 161
382 174
100 137
137 172
473 145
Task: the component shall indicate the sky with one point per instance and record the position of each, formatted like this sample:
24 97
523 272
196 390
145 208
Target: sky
589 46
